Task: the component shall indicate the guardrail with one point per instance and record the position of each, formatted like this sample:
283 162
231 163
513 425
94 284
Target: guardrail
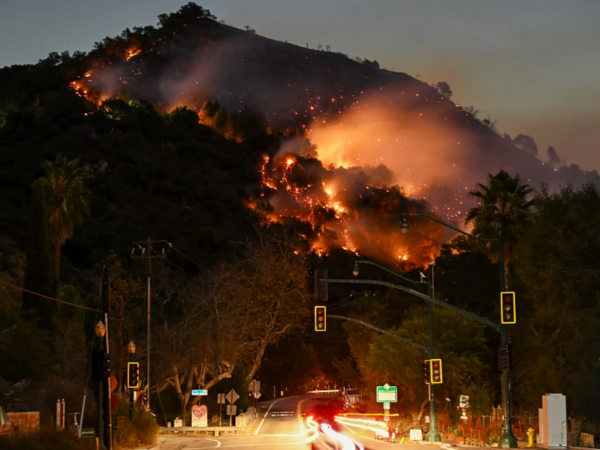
323 391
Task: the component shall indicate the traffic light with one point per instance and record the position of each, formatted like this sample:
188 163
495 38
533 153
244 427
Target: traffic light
426 372
106 365
503 357
320 318
97 364
508 312
435 366
133 375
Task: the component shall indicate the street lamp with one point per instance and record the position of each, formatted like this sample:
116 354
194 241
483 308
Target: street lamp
508 439
131 350
100 331
404 226
355 271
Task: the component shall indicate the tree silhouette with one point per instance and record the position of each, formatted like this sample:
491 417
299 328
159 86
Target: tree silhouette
503 206
67 201
444 89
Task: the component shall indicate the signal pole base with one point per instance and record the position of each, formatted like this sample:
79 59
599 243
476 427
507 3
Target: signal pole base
433 436
507 440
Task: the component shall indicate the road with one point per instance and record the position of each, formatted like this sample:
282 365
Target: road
279 429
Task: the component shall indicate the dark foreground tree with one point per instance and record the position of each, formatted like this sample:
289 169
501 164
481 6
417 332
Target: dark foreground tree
38 271
67 201
558 271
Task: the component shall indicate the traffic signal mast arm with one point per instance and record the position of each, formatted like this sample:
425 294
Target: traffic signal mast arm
368 325
364 261
489 323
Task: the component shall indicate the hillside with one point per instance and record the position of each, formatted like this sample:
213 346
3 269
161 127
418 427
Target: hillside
160 173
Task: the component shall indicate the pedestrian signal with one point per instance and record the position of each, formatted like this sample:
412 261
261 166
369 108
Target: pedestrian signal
426 372
503 357
106 365
508 312
133 375
320 318
435 366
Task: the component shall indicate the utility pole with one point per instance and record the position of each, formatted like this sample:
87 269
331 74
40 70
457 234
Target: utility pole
106 381
120 348
145 251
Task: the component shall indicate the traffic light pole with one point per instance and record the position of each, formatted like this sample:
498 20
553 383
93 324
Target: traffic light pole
508 439
99 382
432 435
130 394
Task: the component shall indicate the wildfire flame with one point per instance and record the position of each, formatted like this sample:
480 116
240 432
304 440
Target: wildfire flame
340 211
131 52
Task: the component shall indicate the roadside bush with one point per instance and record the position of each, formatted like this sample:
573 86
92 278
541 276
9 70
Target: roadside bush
44 440
142 431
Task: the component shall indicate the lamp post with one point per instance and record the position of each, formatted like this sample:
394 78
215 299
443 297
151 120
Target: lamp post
508 439
432 435
100 330
131 350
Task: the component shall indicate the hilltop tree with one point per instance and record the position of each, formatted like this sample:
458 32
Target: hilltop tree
503 207
67 201
444 89
189 14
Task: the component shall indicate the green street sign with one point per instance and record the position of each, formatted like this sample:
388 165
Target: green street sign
386 405
387 393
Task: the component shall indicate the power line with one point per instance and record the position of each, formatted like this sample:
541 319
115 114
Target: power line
46 297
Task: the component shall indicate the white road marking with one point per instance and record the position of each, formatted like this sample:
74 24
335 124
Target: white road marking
267 413
268 443
214 440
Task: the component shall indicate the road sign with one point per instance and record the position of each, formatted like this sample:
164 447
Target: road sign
387 393
254 386
256 394
221 399
196 392
386 405
231 410
463 401
232 396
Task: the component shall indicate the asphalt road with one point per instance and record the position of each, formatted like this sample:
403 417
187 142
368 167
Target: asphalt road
279 429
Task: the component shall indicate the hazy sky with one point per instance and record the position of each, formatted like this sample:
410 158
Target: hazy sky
534 65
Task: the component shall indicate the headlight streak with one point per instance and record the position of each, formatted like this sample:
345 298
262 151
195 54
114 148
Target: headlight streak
312 432
347 443
365 424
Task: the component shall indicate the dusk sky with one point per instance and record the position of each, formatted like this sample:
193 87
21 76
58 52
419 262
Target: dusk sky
534 65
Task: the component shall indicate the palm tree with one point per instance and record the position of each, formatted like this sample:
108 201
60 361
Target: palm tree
67 201
503 206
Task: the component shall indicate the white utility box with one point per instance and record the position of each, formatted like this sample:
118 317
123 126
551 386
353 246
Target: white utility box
553 421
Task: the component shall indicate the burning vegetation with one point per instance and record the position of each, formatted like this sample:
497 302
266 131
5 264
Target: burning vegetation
341 207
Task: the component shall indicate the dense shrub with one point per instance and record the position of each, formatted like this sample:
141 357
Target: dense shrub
44 440
142 431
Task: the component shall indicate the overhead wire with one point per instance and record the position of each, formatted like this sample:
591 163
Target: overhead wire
48 297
